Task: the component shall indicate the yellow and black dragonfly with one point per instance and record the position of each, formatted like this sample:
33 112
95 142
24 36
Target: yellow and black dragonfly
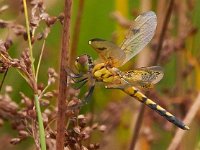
111 56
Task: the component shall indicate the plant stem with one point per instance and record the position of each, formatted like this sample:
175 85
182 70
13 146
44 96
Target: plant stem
163 31
29 36
4 77
39 61
155 62
43 91
76 32
40 123
65 48
188 119
37 104
137 127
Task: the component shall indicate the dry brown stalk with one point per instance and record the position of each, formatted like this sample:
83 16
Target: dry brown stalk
63 77
76 32
188 119
156 60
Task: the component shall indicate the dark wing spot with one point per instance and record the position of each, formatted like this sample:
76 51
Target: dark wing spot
101 48
96 39
135 31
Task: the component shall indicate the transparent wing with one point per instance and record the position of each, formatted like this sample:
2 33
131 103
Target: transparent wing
108 52
145 76
139 35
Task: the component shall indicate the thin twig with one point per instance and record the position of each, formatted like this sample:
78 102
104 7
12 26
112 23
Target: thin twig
63 77
137 127
36 100
188 119
40 123
29 36
163 31
39 61
156 60
4 77
43 91
76 32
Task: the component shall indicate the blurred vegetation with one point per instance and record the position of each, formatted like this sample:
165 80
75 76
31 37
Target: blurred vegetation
177 91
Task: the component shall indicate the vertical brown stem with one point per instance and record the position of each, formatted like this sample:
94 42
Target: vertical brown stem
4 77
182 20
188 119
63 77
156 60
163 31
76 32
137 127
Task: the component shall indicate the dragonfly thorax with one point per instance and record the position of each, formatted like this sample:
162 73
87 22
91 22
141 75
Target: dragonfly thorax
102 72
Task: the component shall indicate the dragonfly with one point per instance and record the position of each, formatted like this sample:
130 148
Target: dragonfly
111 57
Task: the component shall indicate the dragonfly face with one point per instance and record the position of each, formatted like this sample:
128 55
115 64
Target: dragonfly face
113 56
83 64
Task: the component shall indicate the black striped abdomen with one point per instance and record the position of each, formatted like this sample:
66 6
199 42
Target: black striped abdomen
132 91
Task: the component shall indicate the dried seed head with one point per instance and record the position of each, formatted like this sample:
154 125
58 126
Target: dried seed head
3 24
16 63
81 117
52 75
26 100
8 43
32 114
73 92
94 146
18 29
50 21
48 95
40 36
73 103
44 102
77 130
94 126
47 112
52 135
45 118
23 134
15 141
3 8
8 89
61 18
1 122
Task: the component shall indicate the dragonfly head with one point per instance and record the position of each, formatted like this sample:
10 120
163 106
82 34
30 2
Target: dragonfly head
84 63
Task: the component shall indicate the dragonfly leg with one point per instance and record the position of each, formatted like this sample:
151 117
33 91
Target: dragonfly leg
81 80
88 95
72 74
86 98
82 83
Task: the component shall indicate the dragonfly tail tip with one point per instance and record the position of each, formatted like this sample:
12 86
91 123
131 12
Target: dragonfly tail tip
186 127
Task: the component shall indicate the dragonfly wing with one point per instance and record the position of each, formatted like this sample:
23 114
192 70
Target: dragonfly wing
108 52
139 35
145 76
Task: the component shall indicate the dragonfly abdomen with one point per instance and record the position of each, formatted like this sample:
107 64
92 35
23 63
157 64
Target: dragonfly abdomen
132 91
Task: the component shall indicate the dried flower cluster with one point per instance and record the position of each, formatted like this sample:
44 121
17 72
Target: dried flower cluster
22 115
